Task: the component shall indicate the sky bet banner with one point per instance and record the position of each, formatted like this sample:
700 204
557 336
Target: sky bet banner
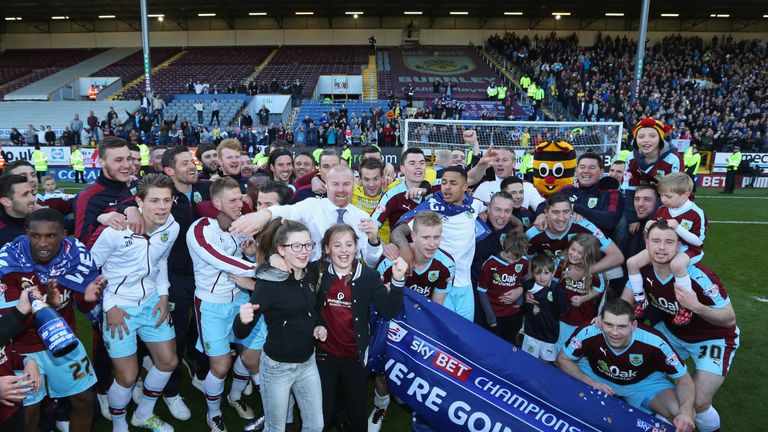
459 377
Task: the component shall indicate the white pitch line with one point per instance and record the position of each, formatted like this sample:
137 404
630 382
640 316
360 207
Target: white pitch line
740 222
761 299
728 197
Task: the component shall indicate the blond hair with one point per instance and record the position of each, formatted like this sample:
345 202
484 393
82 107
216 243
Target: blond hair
426 219
676 182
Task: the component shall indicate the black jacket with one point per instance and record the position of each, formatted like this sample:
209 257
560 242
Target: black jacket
289 311
10 325
10 227
102 196
367 289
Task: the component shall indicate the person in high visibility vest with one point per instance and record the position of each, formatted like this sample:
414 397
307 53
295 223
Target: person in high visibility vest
92 93
531 90
731 167
40 161
526 165
525 82
492 91
502 92
78 166
538 94
692 160
144 152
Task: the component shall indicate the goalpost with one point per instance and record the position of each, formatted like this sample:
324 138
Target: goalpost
603 138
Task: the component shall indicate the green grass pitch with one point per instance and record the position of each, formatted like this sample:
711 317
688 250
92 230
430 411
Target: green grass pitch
735 251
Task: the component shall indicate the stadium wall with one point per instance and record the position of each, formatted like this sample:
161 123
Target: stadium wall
311 36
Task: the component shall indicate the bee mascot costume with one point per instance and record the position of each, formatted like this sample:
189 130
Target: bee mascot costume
554 165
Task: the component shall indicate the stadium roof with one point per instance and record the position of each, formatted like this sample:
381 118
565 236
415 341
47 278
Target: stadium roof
86 10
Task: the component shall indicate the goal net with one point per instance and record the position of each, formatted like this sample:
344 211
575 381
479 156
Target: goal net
431 135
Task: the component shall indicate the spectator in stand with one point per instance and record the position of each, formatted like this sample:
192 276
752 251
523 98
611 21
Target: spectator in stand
199 106
50 136
77 128
16 137
263 115
93 125
215 107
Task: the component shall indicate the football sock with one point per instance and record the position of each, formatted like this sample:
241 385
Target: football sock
118 397
240 378
708 420
684 282
380 401
214 387
154 383
636 282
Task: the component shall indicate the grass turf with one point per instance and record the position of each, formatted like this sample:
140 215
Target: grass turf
734 251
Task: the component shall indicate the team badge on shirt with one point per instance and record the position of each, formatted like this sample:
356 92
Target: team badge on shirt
518 268
164 236
636 359
550 297
196 197
592 202
526 222
433 275
685 223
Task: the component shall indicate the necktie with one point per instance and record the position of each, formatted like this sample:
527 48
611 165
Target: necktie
341 212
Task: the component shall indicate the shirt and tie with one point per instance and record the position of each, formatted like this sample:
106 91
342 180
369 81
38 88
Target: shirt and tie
318 214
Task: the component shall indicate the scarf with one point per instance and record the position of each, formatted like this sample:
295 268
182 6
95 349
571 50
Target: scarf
437 204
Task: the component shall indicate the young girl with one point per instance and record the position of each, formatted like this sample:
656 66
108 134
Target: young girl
582 286
346 292
500 287
287 300
545 304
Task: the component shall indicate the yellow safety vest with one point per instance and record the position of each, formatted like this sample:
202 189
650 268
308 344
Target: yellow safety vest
492 91
531 90
40 160
526 164
733 161
144 152
76 160
502 92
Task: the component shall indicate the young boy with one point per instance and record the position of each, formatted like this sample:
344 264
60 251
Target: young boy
500 287
50 191
546 301
690 224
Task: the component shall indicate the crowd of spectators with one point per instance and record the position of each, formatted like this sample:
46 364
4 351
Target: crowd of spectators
711 92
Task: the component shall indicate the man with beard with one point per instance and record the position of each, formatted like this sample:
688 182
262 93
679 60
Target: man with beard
63 268
17 202
209 161
515 187
711 338
228 153
280 165
24 168
303 164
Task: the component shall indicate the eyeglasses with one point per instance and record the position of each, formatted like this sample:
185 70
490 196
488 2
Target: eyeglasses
297 247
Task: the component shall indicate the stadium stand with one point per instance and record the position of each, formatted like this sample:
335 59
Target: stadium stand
132 66
720 83
183 106
19 68
307 63
218 67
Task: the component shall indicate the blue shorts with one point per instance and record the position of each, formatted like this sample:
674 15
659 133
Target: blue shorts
62 376
565 333
714 356
639 395
461 300
214 326
142 324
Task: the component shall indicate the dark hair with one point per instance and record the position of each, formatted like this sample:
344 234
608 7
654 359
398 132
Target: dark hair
132 146
15 164
660 225
410 151
307 154
283 192
542 262
619 162
371 164
47 215
274 234
510 180
456 169
169 157
593 156
557 198
154 180
618 307
7 181
110 142
221 183
202 148
273 156
371 150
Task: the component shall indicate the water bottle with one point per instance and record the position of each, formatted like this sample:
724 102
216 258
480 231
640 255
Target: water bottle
54 331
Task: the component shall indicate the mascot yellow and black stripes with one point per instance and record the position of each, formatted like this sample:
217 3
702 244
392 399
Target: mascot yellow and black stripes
554 165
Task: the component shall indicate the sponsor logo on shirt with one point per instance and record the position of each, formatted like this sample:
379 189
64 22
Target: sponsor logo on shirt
712 291
672 359
575 343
